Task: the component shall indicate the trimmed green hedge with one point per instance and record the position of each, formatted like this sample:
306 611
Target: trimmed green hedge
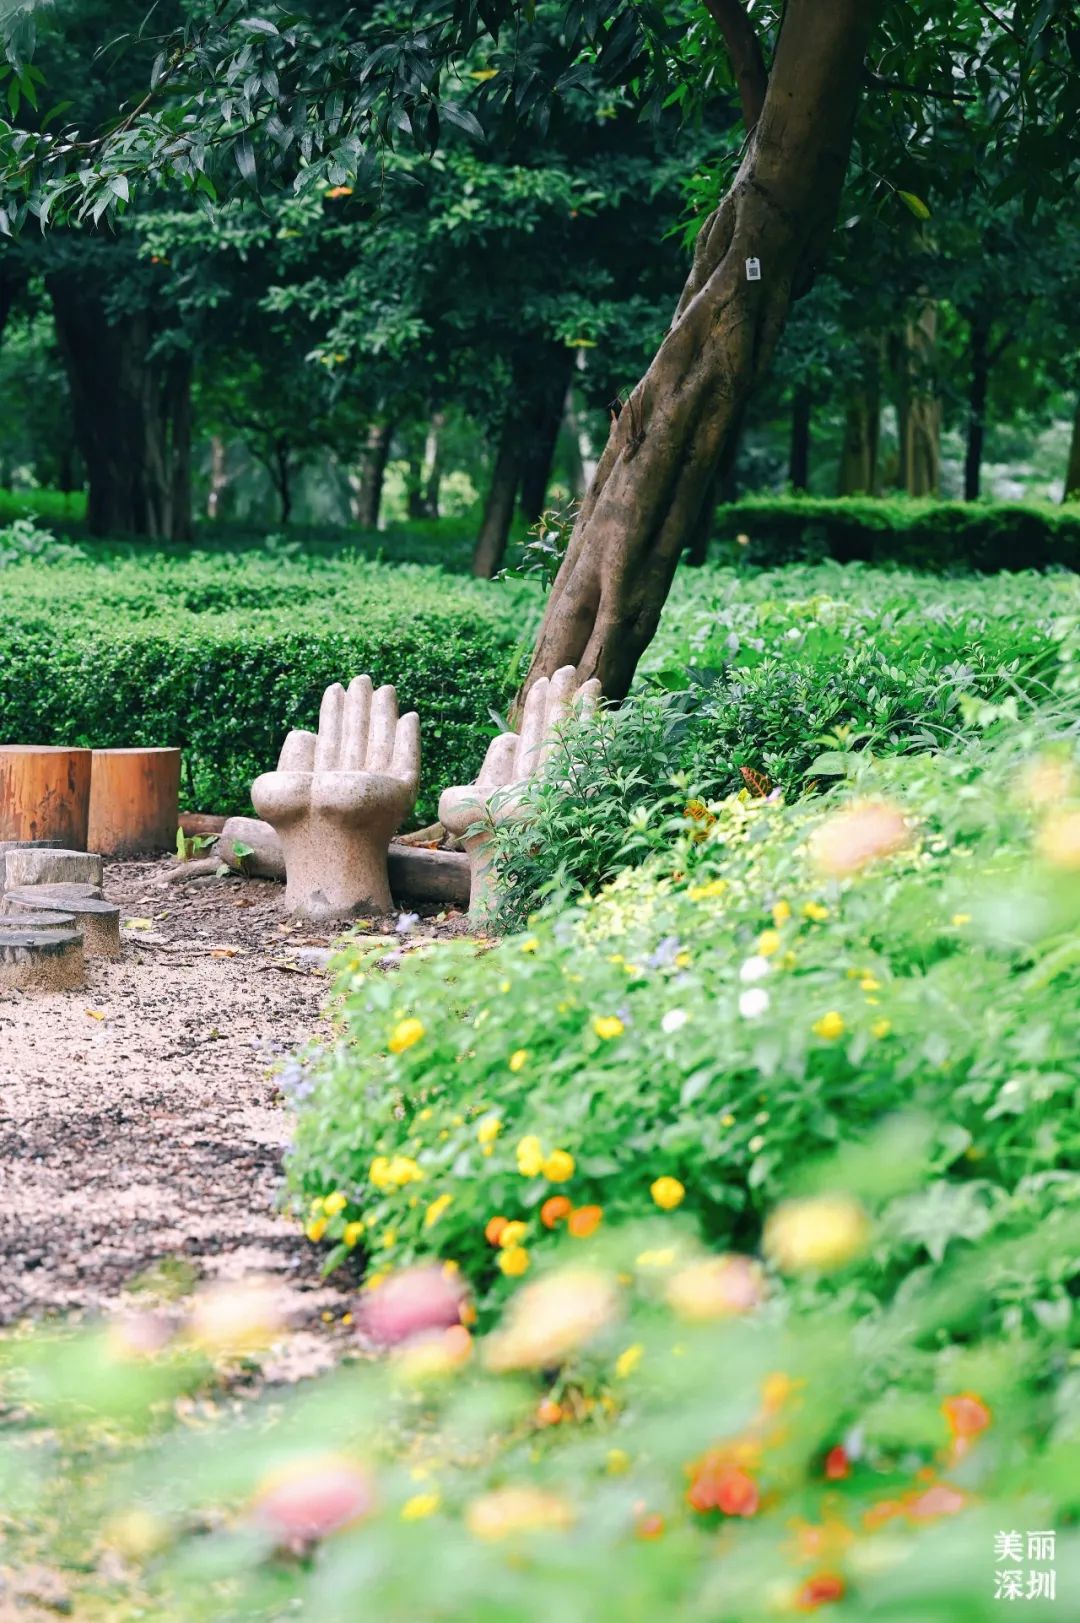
917 534
222 658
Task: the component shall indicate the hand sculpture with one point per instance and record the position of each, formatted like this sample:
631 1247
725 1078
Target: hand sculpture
337 797
512 759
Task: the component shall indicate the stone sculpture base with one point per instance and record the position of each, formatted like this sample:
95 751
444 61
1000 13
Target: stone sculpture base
416 875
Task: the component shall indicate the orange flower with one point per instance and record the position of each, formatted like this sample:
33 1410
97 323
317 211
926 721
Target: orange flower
967 1415
548 1412
820 1590
584 1221
718 1485
493 1231
650 1526
940 1500
837 1464
554 1210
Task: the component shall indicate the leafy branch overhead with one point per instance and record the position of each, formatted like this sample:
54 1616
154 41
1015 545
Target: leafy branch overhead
223 99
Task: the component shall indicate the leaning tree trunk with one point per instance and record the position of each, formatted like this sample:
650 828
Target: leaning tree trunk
131 412
1072 472
498 515
665 445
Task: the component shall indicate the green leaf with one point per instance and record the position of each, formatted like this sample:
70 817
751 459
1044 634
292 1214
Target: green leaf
119 185
915 204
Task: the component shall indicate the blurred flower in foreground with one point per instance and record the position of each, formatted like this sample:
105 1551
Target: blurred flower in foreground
435 1353
716 1288
139 1335
412 1302
547 1321
717 1484
822 1589
848 840
966 1416
1058 840
517 1510
311 1499
237 1317
1048 780
136 1534
822 1232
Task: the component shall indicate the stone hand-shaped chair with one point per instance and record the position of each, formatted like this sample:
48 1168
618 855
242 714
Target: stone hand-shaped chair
338 796
512 759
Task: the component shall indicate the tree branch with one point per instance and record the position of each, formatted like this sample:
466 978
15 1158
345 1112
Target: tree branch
744 51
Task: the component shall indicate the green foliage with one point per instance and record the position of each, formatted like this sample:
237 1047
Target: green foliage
22 541
221 657
945 536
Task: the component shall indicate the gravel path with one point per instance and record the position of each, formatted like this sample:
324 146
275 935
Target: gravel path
140 1122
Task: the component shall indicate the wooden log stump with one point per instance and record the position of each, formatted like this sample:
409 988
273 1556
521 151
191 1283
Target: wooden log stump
45 794
134 801
28 866
98 922
40 960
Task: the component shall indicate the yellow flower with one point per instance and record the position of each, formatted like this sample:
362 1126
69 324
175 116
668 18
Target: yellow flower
436 1209
683 960
530 1157
316 1205
548 1321
667 1193
393 1173
728 1120
405 1034
618 1461
781 913
419 1506
504 985
656 1259
425 1114
705 893
512 1233
829 1027
820 1232
881 1028
514 1261
608 1026
352 1233
316 1229
628 1360
518 1058
335 1203
869 984
517 1510
961 918
529 944
488 1129
768 943
559 1166
815 912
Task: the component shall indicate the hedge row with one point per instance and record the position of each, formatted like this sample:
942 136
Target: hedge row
916 534
163 655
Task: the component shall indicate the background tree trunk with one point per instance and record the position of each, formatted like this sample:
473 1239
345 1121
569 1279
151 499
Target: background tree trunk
665 446
131 414
799 458
375 456
494 532
433 465
219 478
918 409
859 452
546 421
1072 472
976 423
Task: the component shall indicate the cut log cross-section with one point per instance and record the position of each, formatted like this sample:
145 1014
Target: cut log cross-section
45 794
134 801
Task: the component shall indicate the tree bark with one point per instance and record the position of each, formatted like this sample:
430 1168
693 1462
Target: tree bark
376 455
131 413
539 454
219 478
859 453
918 409
498 514
665 446
799 459
976 424
281 473
433 465
1072 472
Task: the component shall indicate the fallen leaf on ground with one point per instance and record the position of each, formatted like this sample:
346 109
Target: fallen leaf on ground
137 924
95 1014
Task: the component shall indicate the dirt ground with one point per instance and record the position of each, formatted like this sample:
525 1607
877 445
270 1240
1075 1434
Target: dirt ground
142 1123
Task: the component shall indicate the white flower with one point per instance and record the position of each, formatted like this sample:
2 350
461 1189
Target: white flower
753 1002
674 1020
754 969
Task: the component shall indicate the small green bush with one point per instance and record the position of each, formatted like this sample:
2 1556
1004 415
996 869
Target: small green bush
222 656
940 536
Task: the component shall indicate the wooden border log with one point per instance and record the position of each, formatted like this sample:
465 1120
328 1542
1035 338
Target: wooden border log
134 801
97 921
45 794
40 960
